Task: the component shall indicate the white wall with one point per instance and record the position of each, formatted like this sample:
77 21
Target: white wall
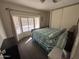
6 18
65 17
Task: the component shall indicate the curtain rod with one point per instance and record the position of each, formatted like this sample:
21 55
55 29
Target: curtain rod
21 11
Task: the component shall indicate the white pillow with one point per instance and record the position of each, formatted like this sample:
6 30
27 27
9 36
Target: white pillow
56 53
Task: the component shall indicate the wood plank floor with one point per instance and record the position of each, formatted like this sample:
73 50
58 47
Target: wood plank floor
30 50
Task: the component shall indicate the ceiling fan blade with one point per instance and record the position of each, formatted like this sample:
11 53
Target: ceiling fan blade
56 1
42 1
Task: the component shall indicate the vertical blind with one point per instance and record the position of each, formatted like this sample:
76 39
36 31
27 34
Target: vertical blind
24 24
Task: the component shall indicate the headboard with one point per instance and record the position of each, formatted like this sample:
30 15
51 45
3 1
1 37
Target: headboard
75 50
72 34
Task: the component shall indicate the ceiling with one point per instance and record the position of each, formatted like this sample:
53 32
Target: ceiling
47 5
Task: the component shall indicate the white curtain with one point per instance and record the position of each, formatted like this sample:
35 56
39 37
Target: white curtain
2 33
12 24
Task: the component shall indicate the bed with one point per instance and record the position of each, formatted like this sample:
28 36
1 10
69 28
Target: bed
47 38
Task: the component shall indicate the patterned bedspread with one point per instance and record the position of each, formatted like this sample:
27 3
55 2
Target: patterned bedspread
47 37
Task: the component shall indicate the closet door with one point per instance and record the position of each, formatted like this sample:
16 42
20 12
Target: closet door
70 16
56 18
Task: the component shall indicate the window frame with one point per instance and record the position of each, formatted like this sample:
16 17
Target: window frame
20 21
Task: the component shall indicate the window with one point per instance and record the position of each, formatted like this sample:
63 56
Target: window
24 24
37 22
31 23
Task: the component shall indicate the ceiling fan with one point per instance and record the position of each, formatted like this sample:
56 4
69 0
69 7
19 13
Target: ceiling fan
55 1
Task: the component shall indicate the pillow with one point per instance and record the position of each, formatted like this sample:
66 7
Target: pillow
56 33
56 53
62 40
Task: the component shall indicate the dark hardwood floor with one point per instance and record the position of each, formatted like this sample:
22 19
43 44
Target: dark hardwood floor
30 50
